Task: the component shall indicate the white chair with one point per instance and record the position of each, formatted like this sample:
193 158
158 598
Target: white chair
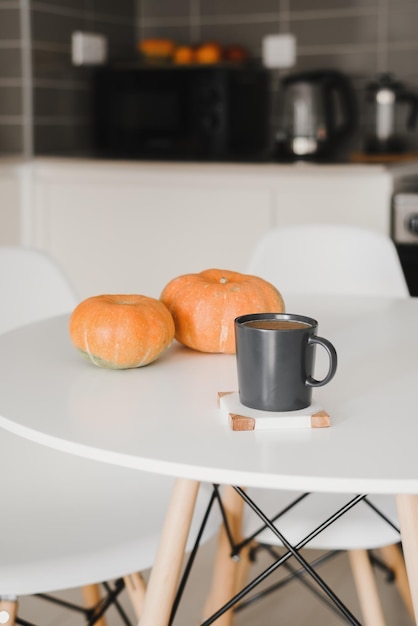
71 522
32 287
67 521
329 259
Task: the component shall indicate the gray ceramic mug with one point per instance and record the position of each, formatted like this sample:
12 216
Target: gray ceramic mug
275 360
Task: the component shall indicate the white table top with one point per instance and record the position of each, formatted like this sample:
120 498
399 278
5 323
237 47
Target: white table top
164 417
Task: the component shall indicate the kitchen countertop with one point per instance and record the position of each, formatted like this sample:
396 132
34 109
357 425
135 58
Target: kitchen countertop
210 166
251 172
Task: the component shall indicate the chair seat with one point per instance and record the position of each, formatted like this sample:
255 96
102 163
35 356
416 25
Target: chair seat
72 522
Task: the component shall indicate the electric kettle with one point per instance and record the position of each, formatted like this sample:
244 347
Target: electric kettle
316 114
392 113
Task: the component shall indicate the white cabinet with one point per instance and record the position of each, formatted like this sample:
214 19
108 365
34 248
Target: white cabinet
340 194
126 235
9 205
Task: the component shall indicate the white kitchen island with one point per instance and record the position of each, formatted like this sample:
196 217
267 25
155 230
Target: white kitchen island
131 226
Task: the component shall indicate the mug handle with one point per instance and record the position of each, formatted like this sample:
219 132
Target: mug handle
327 345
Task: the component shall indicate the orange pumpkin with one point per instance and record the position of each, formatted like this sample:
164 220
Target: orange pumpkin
205 305
156 48
184 55
121 331
208 53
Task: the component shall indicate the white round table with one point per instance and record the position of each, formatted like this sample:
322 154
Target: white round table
164 418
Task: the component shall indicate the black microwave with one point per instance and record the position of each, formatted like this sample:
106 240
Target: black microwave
182 112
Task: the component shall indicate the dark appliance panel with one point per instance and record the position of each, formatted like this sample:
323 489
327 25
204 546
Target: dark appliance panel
169 112
405 231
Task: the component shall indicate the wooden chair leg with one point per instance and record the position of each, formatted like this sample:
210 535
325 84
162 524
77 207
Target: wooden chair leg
407 506
393 558
8 612
243 568
227 572
91 597
136 587
366 586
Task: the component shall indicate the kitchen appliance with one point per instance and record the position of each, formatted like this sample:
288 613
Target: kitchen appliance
391 114
316 114
405 229
193 112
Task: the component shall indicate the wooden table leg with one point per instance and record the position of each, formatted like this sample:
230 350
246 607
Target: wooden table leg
165 574
228 573
408 518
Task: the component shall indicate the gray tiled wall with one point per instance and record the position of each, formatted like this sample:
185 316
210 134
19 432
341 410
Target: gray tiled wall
360 37
44 100
61 91
11 99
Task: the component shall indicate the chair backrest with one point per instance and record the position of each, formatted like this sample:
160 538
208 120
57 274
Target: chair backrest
32 287
329 259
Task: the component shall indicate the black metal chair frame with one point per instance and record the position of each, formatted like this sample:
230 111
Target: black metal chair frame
327 595
94 613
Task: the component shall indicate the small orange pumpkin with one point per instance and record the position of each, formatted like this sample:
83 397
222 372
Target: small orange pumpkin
184 55
121 331
208 53
205 305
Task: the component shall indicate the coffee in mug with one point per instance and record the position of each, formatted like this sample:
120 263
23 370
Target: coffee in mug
275 359
275 324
